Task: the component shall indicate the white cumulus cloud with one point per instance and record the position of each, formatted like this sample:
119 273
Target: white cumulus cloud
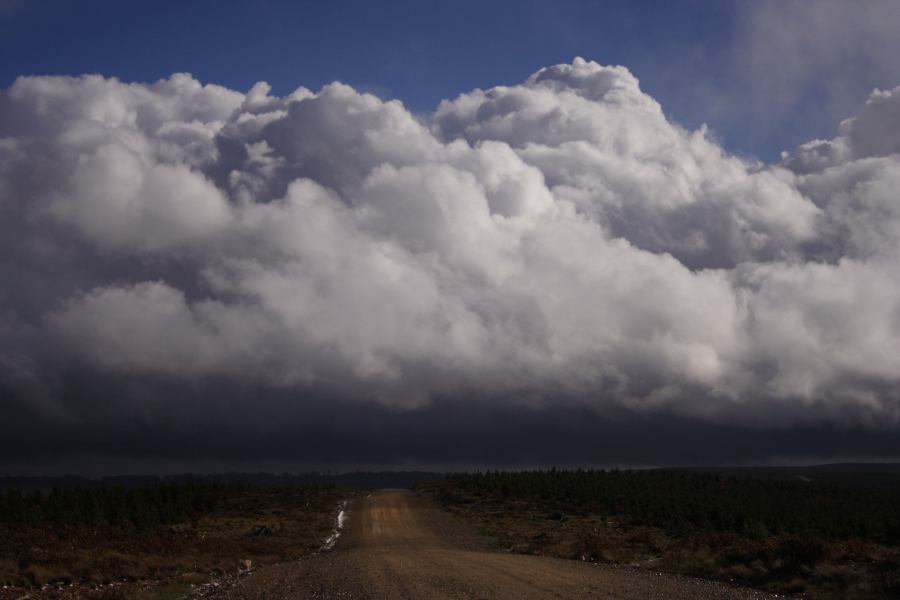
558 240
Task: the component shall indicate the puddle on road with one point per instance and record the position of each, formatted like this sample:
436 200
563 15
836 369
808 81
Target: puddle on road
338 526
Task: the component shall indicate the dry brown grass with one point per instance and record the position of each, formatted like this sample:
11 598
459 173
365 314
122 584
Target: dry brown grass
786 564
264 525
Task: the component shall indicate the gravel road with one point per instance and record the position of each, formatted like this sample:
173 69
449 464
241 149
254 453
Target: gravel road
397 545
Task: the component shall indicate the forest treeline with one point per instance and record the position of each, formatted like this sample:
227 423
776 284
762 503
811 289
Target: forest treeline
355 479
114 506
145 502
678 500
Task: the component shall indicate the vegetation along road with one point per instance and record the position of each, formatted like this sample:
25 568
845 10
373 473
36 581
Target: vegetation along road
398 545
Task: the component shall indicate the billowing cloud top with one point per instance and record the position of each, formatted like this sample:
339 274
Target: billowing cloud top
558 241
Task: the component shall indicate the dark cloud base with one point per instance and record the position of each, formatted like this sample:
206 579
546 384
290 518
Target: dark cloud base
220 426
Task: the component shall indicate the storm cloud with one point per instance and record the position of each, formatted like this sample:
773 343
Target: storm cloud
181 258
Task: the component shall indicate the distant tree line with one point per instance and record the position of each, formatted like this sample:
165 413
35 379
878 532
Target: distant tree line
113 506
356 479
677 500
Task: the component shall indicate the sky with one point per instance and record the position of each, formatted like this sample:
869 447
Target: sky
296 236
765 76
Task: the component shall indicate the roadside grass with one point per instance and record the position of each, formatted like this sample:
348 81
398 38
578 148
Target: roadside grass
161 560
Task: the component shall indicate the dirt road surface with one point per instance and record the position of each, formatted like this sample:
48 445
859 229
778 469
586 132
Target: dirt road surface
397 545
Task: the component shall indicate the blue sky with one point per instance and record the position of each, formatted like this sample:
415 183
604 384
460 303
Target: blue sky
691 55
418 51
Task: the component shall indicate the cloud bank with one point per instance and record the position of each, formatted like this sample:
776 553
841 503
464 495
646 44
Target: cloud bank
553 244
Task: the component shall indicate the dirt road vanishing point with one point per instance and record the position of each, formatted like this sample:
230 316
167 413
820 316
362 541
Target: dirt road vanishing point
397 545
